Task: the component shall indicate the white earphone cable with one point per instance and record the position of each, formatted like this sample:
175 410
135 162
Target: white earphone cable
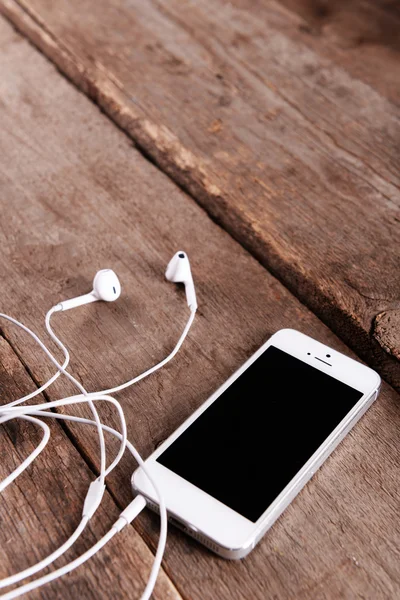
170 356
123 386
46 436
59 572
20 414
163 527
61 369
96 489
105 287
36 338
13 579
80 387
163 511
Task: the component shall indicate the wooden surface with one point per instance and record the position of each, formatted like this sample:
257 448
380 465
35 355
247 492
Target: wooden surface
360 36
280 118
76 196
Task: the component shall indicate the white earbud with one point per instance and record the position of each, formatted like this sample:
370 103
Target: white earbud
178 271
106 286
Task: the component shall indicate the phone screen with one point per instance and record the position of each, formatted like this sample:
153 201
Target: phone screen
252 440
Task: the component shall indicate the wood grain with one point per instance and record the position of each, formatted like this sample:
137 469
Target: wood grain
361 36
76 196
287 143
42 509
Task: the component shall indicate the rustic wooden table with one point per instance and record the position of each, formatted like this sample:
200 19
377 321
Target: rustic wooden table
263 138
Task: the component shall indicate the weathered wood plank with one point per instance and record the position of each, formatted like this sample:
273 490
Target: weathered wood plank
362 36
42 508
293 154
75 197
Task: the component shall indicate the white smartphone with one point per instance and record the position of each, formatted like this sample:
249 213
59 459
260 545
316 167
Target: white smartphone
230 469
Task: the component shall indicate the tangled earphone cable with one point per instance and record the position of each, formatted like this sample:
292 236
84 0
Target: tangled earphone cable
61 369
106 287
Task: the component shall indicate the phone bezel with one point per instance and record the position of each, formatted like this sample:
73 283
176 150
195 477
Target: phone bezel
206 516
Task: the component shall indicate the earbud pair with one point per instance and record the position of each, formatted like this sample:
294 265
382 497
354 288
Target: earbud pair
106 285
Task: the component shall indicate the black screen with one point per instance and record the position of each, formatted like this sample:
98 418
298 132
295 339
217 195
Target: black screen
247 446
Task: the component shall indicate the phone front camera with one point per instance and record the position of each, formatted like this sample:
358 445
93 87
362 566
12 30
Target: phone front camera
328 356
